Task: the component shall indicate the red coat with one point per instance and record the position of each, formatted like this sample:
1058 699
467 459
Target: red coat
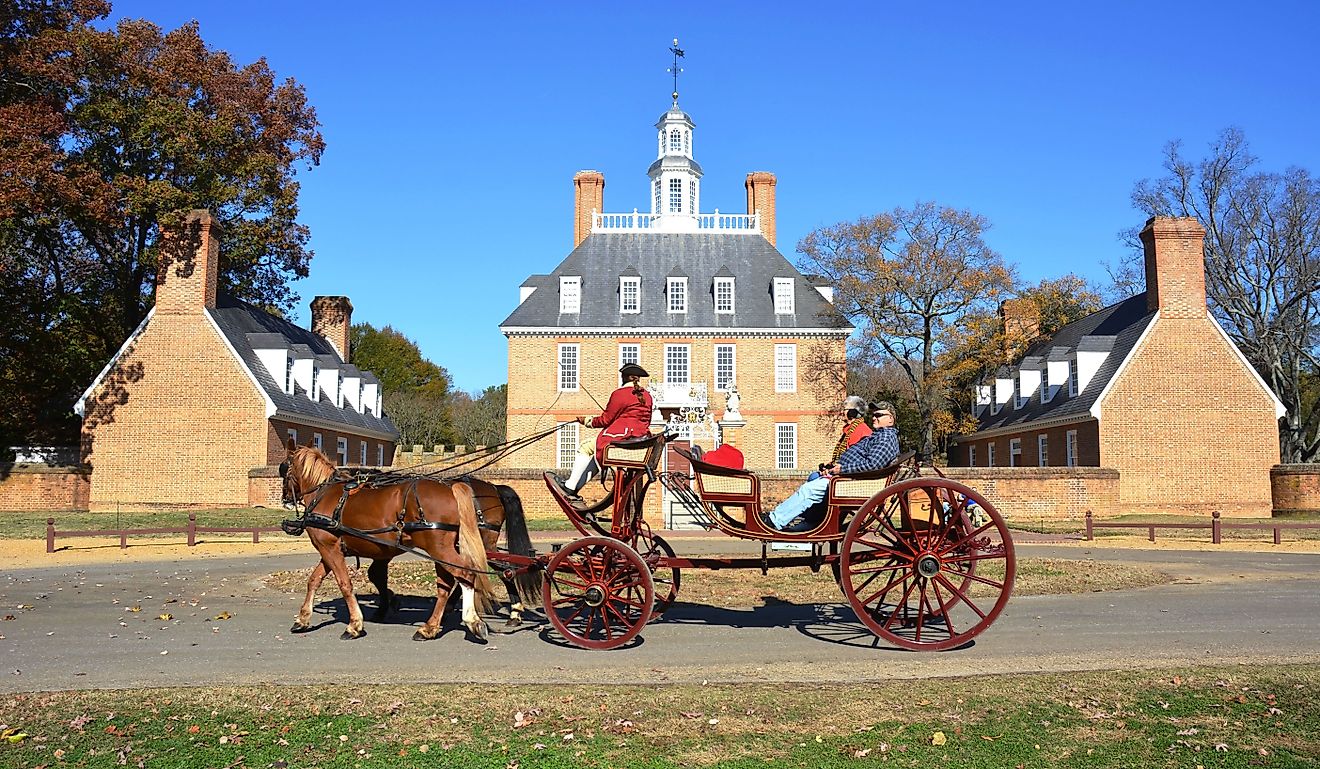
626 414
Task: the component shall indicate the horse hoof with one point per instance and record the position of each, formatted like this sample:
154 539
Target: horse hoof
420 636
347 636
300 628
507 627
478 633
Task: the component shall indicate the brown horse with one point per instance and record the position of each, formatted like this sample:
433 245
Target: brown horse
455 523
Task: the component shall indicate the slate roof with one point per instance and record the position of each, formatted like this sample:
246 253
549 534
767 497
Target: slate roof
603 257
1115 328
244 324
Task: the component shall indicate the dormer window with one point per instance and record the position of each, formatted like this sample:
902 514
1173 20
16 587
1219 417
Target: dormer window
724 296
1072 378
784 300
630 295
288 374
570 294
677 294
339 389
313 392
1019 400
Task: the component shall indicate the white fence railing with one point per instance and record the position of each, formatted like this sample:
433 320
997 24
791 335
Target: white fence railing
743 224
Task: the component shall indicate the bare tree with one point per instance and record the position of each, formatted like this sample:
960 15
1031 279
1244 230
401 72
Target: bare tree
906 277
1262 264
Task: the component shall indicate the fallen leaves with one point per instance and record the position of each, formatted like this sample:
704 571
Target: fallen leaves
938 738
222 616
13 735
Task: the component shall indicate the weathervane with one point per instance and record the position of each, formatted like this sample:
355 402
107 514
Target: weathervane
674 68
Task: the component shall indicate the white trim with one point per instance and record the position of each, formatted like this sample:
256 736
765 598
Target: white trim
1280 410
1122 366
669 330
329 426
636 282
270 404
671 284
81 404
715 365
715 293
577 368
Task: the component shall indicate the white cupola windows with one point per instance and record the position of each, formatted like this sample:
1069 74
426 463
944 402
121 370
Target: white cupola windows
675 142
675 196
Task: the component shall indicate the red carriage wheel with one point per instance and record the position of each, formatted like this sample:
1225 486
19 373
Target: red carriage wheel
927 564
652 548
598 593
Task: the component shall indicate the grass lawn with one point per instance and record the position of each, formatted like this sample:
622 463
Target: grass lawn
1264 716
30 525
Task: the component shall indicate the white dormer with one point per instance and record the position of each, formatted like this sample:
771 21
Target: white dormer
276 359
524 292
980 398
304 370
1028 383
1003 391
1056 378
785 301
370 393
1091 354
327 381
570 294
352 390
827 292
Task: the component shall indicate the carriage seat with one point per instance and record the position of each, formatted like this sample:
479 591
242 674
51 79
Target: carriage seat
719 485
853 490
636 453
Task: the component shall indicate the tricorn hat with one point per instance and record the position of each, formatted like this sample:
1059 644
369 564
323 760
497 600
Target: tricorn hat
632 369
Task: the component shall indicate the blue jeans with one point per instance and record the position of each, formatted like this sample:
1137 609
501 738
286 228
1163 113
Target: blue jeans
810 493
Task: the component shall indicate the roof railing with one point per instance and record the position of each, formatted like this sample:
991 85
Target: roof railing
716 222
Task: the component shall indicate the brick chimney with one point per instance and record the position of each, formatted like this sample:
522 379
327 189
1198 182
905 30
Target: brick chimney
189 264
761 200
588 196
331 318
1175 266
1021 322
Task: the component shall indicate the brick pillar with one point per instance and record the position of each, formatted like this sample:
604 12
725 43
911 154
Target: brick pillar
588 196
1021 322
189 265
332 316
761 200
1175 266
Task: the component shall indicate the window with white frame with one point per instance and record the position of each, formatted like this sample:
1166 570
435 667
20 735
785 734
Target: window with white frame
785 446
678 359
692 196
293 435
785 368
990 454
568 367
362 452
1072 377
675 196
570 293
725 367
568 443
1043 449
1015 452
687 143
315 391
677 294
630 295
288 374
341 449
1071 443
971 455
339 389
675 141
629 353
784 300
656 205
380 455
1018 399
724 296
316 441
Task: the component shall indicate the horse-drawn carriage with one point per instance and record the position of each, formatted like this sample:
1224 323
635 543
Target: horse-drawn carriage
926 563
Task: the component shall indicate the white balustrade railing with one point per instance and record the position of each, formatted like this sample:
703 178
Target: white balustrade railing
742 224
679 394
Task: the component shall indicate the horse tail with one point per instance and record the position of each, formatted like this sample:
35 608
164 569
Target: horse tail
471 545
527 583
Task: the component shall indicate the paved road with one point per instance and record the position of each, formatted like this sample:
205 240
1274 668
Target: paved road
1225 607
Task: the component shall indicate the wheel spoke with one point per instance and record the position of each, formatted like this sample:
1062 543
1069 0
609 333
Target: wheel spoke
961 595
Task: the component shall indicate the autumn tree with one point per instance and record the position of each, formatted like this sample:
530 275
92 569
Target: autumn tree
415 391
479 419
1262 266
104 136
907 278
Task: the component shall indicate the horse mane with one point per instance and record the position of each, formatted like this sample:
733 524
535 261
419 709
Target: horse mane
311 466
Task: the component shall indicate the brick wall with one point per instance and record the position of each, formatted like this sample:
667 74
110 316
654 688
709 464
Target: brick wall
1189 438
536 404
1056 439
1025 494
1295 489
39 487
278 434
761 200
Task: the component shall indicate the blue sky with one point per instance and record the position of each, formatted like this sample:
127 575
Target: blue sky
454 130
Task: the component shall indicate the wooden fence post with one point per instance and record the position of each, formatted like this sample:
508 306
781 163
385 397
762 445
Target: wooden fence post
50 535
1216 533
1090 533
192 529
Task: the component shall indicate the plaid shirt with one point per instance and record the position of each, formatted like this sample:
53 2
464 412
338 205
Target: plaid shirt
873 452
